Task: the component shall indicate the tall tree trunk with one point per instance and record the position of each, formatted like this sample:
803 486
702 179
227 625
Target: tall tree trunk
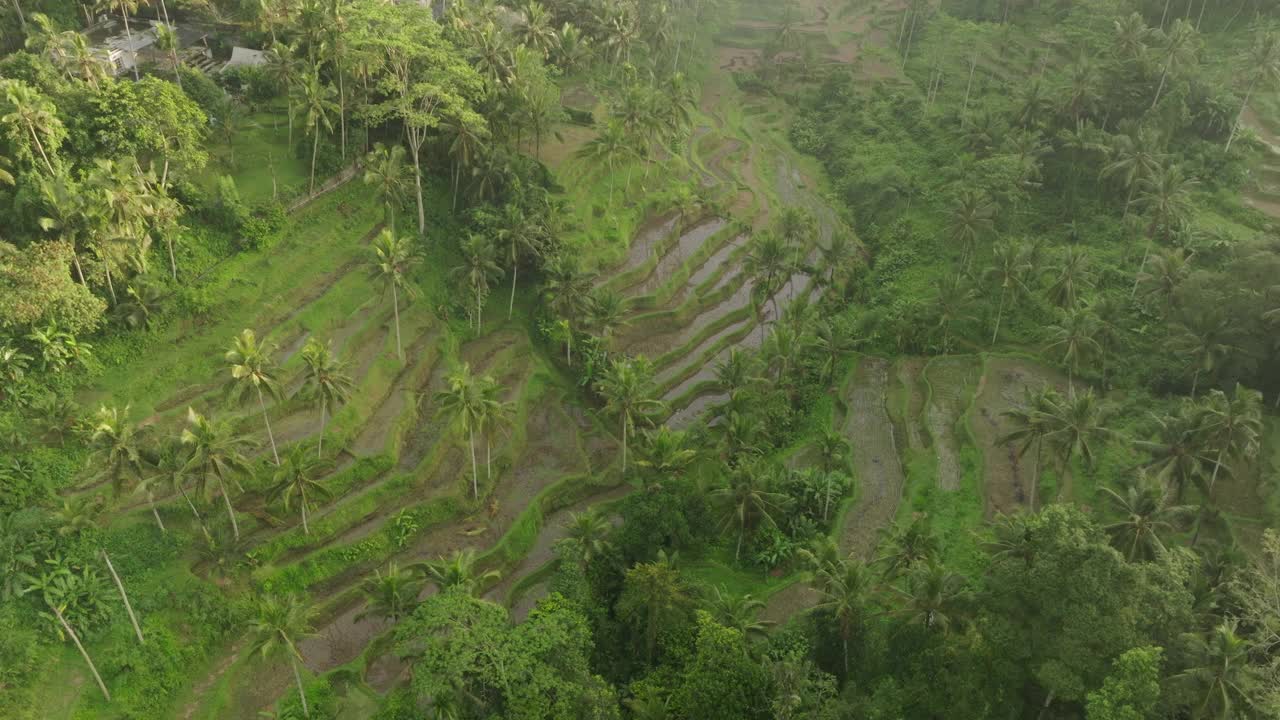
137 629
417 184
75 260
342 110
475 471
624 446
196 513
515 270
479 308
999 316
1035 477
457 170
66 627
395 304
1164 74
1201 17
910 35
1164 15
320 442
22 19
231 513
306 528
1045 708
297 677
173 263
315 147
488 457
111 287
262 403
1235 127
35 137
133 54
156 513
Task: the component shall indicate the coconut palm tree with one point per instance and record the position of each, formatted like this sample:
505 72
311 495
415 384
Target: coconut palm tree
1011 264
933 598
1031 426
1145 513
653 593
32 114
1221 673
479 267
971 220
457 571
1181 48
117 447
567 291
1164 275
392 260
590 531
298 477
740 612
55 588
666 453
1071 277
252 368
612 146
215 452
463 402
1133 155
171 469
326 381
1230 426
517 235
1076 423
845 585
468 141
1207 337
627 387
167 39
495 414
316 98
1177 454
748 501
385 170
278 625
606 312
1261 65
1075 337
950 304
391 595
767 265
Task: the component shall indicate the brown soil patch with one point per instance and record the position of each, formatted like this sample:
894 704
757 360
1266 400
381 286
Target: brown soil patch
647 239
875 458
686 245
738 59
951 381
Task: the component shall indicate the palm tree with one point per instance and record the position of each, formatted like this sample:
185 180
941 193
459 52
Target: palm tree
747 501
1031 426
32 114
216 452
933 598
652 593
1132 156
468 142
385 170
590 531
316 98
1075 336
738 372
1075 424
666 453
463 402
951 302
298 477
1207 337
1145 513
568 292
172 469
1231 426
1261 64
284 66
611 146
909 545
1129 38
117 447
1180 50
392 595
627 388
1071 277
252 368
845 585
326 380
479 267
519 235
1011 264
1014 538
606 312
1177 454
767 265
739 613
1165 274
458 571
55 588
277 627
392 259
972 219
494 415
1221 673
167 39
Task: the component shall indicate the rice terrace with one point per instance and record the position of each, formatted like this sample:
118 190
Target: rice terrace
640 359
